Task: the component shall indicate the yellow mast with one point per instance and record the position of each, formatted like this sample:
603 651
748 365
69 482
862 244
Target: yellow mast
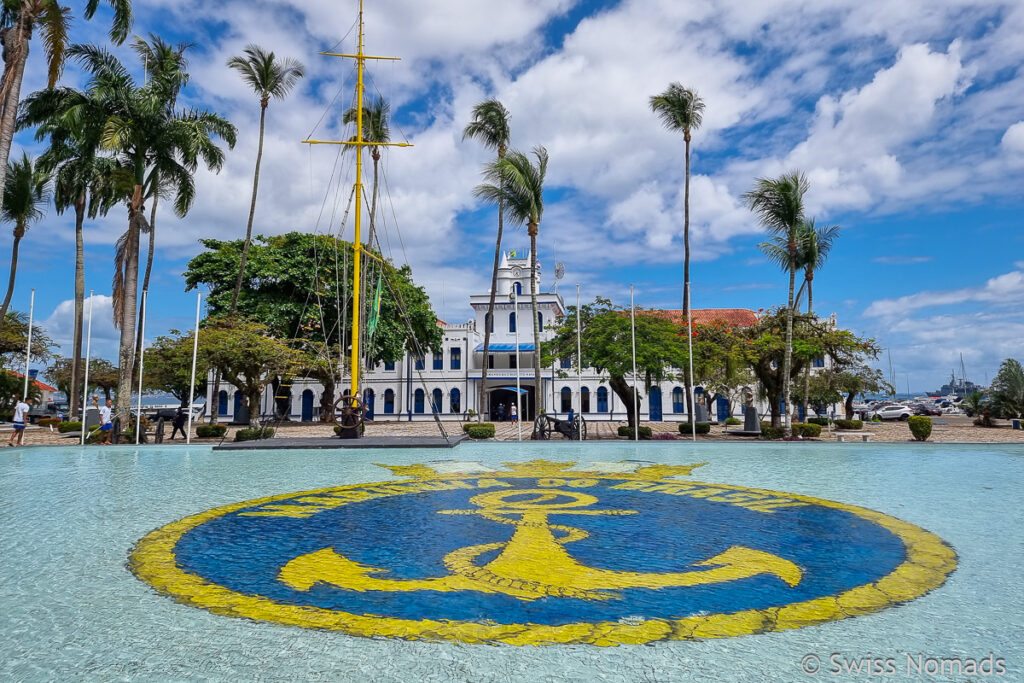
358 143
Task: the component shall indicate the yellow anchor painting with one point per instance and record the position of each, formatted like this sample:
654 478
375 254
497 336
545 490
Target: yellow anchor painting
534 563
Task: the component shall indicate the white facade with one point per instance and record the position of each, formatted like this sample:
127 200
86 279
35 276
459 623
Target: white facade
405 390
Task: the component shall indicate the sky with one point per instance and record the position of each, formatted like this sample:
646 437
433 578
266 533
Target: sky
907 118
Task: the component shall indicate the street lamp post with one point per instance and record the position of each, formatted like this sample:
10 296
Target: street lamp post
519 402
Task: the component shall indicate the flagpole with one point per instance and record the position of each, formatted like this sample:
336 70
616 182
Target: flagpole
85 383
192 384
28 347
689 342
519 402
636 397
579 351
142 357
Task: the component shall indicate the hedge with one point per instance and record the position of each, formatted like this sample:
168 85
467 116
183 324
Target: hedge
48 421
769 433
686 428
645 432
823 421
480 431
849 424
254 434
807 430
920 427
65 427
208 431
731 421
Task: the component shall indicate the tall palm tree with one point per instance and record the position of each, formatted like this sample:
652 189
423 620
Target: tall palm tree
518 184
82 180
815 244
26 193
268 77
682 109
491 127
779 204
140 131
18 21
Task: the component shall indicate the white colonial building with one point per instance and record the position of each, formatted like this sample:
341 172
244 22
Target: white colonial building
450 380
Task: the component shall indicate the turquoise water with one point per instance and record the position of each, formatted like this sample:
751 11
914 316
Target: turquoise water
70 607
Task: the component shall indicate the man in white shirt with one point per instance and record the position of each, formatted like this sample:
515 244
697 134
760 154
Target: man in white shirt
106 426
20 411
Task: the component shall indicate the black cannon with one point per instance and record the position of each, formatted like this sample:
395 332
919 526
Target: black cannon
546 426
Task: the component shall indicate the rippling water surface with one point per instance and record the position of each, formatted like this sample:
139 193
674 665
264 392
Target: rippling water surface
70 607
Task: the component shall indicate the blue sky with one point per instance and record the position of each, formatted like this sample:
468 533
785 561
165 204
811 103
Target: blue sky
908 119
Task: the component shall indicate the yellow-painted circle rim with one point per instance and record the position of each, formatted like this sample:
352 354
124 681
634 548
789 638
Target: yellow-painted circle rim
929 561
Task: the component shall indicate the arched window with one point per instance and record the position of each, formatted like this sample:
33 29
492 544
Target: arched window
678 400
222 402
488 321
435 400
456 359
389 402
566 394
512 322
518 289
417 401
368 400
584 400
456 401
602 399
540 320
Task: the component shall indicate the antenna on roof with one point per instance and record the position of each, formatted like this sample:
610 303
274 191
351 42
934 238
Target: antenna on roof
559 274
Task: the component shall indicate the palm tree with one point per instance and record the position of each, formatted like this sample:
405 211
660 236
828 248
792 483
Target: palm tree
268 77
490 126
26 193
815 245
518 185
779 204
682 109
141 132
81 179
19 19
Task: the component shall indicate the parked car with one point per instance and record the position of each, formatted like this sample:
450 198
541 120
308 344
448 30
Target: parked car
895 412
925 409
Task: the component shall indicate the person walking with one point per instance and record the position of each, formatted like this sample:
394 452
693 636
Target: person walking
20 411
179 424
106 426
513 413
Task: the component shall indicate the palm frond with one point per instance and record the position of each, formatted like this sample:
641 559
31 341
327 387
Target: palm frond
679 108
121 25
778 202
54 21
489 125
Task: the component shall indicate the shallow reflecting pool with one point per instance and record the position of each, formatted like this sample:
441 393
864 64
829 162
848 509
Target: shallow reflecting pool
604 561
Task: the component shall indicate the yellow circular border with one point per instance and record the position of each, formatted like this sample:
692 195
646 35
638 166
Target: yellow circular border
928 563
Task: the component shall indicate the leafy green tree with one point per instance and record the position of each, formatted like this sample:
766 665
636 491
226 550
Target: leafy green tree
14 339
682 109
490 126
820 392
11 386
1008 389
606 344
19 20
141 132
105 375
857 379
517 184
269 78
779 204
247 355
169 366
26 194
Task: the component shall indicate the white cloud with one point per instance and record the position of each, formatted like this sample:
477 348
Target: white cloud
1013 138
901 260
60 325
1005 289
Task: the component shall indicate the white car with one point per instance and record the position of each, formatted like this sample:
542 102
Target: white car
893 412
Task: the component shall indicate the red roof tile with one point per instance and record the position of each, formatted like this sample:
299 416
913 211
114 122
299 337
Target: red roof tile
37 383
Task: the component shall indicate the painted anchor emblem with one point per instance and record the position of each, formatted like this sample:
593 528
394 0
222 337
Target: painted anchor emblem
534 563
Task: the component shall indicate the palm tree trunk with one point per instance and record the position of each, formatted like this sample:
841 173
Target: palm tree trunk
252 211
686 268
16 43
18 233
807 373
126 354
490 311
538 394
787 360
77 371
145 279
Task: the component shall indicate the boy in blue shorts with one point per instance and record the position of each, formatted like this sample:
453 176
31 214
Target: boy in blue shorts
20 411
106 426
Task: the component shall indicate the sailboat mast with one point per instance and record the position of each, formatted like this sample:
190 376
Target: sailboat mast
357 242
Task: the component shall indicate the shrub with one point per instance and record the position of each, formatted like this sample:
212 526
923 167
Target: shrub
480 431
733 421
645 432
65 427
769 433
822 421
920 427
849 424
702 428
254 434
807 430
48 421
465 426
664 436
214 431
